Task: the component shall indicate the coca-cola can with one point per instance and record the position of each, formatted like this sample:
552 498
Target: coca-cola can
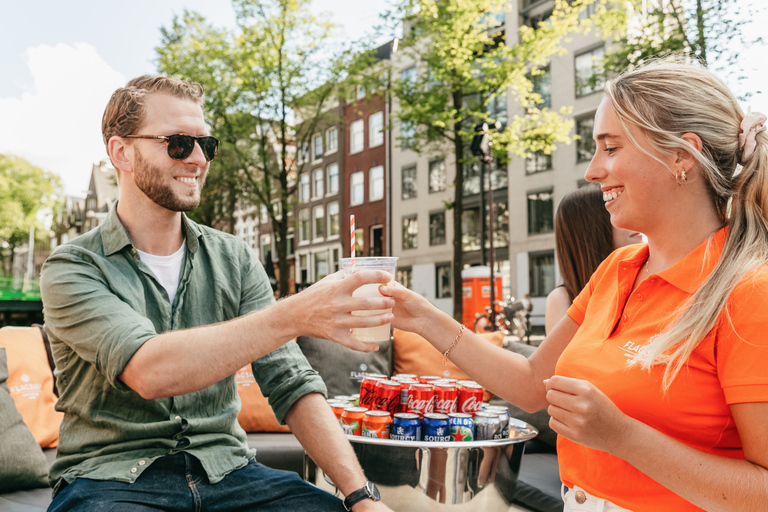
421 400
428 379
368 391
407 376
387 397
470 398
405 391
446 397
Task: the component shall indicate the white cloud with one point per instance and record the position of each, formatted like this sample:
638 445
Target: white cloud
57 124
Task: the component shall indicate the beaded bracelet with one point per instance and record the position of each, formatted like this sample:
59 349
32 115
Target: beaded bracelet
453 345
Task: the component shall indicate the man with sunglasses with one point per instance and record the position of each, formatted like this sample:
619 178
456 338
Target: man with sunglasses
149 317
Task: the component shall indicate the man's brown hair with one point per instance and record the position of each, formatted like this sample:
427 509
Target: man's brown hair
126 110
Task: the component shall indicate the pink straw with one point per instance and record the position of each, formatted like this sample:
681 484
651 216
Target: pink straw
352 239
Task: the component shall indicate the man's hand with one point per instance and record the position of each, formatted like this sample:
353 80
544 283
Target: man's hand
324 310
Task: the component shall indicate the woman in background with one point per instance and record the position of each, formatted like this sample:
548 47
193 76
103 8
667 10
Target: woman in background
584 237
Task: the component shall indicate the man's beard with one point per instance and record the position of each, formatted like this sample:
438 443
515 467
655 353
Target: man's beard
149 179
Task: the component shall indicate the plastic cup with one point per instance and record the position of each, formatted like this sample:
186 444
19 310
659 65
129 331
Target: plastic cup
388 264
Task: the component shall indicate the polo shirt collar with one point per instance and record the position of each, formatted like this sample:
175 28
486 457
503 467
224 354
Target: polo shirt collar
689 273
114 237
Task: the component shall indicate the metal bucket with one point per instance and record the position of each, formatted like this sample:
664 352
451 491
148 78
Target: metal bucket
426 476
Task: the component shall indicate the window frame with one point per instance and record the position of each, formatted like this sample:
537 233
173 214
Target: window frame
413 237
316 157
550 217
315 173
331 148
376 131
353 149
333 190
432 166
315 235
353 186
372 181
578 90
433 214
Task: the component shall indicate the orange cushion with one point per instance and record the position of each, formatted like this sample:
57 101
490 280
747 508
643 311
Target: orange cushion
30 382
255 414
414 354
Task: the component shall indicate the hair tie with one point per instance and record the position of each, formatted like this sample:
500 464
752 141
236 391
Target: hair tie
752 124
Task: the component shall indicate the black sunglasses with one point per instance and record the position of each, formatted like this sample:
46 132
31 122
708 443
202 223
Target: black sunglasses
180 145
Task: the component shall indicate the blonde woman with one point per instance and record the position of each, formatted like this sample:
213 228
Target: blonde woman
656 379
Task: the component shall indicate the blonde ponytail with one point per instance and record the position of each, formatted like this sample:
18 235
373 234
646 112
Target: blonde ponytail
667 100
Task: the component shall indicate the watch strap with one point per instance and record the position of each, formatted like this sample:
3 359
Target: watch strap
365 492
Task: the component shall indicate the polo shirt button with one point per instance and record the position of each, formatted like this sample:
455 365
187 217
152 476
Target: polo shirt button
142 462
625 318
133 470
639 297
177 417
581 498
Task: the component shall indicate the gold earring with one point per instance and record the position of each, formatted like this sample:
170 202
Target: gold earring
681 178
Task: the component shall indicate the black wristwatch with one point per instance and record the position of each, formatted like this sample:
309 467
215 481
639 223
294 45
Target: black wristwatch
368 492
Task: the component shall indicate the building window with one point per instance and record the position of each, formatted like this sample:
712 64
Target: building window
359 241
376 129
500 224
356 137
404 276
443 280
277 208
541 268
266 246
497 109
376 183
542 85
303 269
408 76
356 188
408 189
589 74
360 92
470 229
540 212
304 188
289 244
585 144
377 241
333 179
317 147
318 184
321 264
437 176
304 225
318 213
331 140
335 260
437 228
410 232
407 134
333 219
263 214
538 162
304 151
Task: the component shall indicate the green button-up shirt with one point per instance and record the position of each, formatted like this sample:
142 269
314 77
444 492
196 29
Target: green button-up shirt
101 303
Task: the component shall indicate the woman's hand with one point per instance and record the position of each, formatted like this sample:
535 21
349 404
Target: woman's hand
411 309
324 310
583 414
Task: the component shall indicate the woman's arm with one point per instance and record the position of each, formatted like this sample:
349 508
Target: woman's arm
508 375
556 307
583 414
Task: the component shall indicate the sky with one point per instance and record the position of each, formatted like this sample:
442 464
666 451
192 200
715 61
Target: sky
62 59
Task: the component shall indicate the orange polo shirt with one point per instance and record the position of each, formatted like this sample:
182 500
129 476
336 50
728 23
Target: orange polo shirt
728 367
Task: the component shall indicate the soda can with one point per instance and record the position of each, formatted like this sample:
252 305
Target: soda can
462 426
356 399
387 397
470 397
379 376
405 393
377 424
407 376
346 398
337 407
368 391
406 427
503 413
352 420
462 382
487 426
484 406
446 397
436 427
428 379
421 400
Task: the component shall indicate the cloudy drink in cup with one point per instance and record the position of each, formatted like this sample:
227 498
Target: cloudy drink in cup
350 265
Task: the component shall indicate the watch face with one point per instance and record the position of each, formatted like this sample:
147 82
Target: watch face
373 491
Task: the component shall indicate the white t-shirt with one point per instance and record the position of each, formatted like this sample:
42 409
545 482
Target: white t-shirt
166 269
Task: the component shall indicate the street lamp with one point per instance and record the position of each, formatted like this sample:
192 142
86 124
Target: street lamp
481 146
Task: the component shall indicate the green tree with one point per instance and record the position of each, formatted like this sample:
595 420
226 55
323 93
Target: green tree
711 31
268 85
465 60
26 194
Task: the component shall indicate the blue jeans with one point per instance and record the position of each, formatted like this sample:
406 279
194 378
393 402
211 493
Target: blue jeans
179 483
